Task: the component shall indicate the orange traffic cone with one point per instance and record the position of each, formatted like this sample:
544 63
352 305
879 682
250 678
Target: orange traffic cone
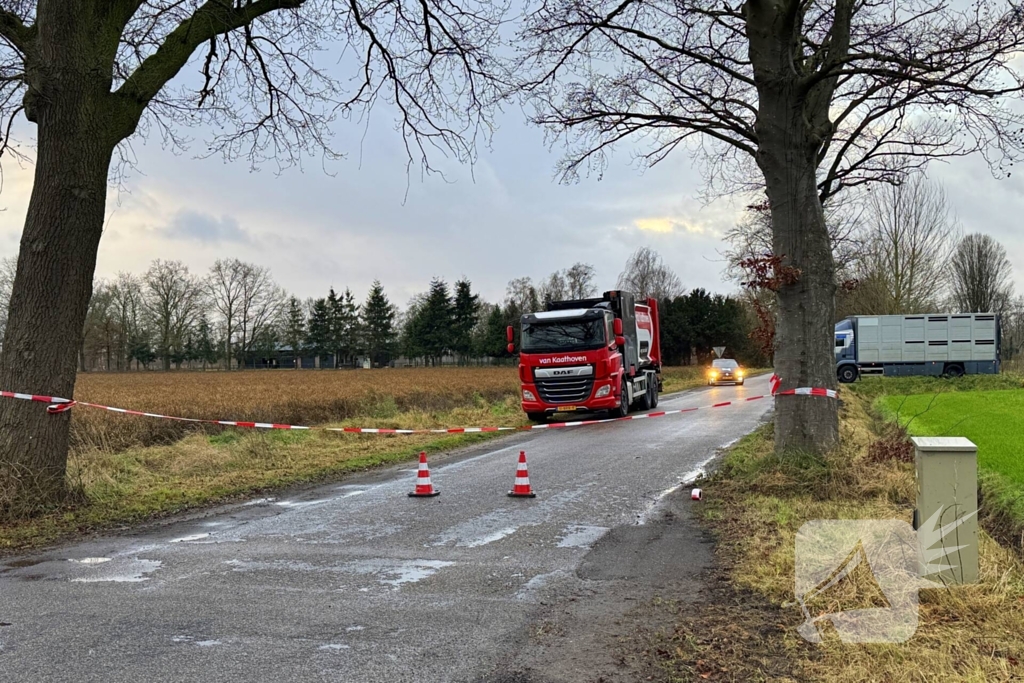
521 489
423 486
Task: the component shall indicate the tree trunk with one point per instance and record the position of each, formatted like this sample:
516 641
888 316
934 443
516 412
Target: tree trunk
804 353
68 99
50 299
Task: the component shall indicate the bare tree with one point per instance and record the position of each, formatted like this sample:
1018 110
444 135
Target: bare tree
1012 325
904 263
646 275
752 238
260 304
127 309
91 74
224 288
97 337
173 301
815 96
522 296
579 279
981 275
554 288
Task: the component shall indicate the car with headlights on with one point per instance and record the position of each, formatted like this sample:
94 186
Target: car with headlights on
725 371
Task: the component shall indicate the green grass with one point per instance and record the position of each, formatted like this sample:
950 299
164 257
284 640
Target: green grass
991 419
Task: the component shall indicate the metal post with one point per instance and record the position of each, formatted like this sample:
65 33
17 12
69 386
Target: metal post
947 499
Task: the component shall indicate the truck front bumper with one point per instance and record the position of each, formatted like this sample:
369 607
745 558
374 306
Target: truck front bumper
591 404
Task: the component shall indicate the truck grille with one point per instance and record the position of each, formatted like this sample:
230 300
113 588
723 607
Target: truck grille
565 389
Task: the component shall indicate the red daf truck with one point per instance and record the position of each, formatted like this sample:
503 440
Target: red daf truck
590 355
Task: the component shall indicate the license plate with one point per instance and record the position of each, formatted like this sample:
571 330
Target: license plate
567 409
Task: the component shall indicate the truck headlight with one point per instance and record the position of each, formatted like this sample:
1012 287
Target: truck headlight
603 391
528 395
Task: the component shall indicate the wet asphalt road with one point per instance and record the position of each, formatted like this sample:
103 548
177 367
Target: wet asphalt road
356 581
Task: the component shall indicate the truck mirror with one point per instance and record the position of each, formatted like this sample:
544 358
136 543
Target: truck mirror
511 348
620 340
618 329
509 334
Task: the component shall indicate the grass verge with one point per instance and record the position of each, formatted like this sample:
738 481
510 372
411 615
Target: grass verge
746 631
986 410
128 486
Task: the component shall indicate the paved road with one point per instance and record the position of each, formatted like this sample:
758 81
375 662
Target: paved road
355 582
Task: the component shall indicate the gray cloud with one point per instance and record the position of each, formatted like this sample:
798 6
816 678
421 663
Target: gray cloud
200 227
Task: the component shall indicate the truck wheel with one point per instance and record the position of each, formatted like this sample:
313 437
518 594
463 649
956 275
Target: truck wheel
539 418
654 395
644 402
623 409
954 371
848 374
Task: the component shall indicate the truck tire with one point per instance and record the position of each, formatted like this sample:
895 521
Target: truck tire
654 394
539 418
623 409
644 402
848 374
953 370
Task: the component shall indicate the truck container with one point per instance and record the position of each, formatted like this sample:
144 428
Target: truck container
589 355
927 344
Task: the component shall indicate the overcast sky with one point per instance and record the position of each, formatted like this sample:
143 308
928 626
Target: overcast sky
505 218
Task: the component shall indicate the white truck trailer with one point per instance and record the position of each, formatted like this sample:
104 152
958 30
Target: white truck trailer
933 344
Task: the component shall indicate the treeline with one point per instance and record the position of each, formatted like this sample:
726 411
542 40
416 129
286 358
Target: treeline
898 250
236 316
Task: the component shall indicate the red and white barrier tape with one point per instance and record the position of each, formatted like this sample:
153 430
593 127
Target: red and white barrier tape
60 405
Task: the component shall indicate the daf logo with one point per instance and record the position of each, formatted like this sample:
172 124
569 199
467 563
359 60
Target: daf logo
562 372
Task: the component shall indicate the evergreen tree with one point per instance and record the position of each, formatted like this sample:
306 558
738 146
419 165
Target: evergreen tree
465 313
295 329
335 326
435 326
493 342
318 335
206 347
349 327
378 324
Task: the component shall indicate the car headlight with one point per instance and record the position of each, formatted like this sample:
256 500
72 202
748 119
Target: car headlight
603 391
713 374
528 395
739 373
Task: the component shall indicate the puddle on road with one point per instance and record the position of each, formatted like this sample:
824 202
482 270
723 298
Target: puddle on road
400 571
579 536
190 539
132 571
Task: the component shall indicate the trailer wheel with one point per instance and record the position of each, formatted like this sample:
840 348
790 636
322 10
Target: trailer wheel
954 370
847 374
654 394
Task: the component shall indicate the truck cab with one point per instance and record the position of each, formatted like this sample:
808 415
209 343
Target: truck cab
590 355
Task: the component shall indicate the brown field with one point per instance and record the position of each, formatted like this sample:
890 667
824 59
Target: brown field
284 396
310 397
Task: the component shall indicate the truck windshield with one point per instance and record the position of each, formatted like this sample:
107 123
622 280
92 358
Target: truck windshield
562 335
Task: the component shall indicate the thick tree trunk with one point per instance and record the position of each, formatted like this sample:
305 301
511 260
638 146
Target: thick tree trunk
804 333
51 291
49 302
